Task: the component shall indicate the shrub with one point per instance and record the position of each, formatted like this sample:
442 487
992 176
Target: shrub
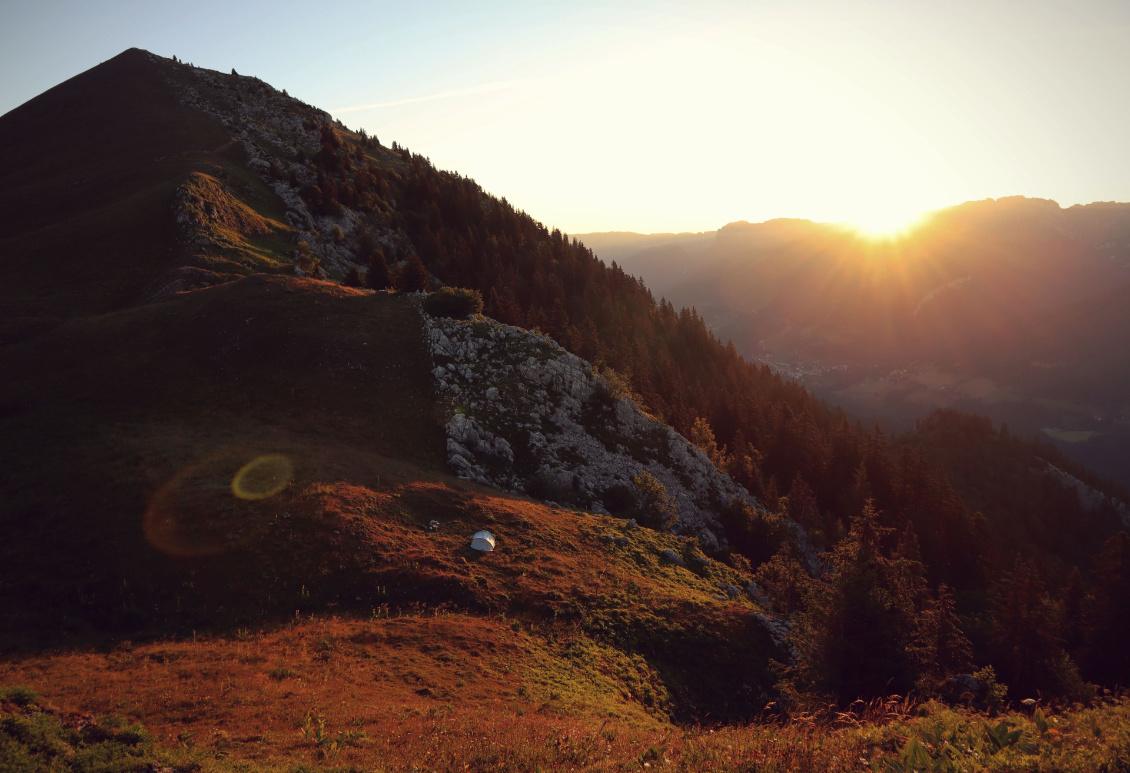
656 509
755 534
454 302
993 694
306 261
19 695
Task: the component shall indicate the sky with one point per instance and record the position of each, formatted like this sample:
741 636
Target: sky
668 116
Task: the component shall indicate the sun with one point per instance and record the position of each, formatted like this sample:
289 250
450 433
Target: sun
886 222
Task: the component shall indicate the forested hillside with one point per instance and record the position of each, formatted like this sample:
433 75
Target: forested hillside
940 526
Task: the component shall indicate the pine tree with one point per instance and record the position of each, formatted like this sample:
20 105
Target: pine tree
1073 613
377 277
1023 629
353 277
557 323
802 505
860 635
949 651
413 276
1109 653
703 437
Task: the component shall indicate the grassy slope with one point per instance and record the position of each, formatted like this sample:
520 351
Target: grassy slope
122 433
383 696
103 412
121 430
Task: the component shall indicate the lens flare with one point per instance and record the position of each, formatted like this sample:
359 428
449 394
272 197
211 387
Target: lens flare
262 477
216 503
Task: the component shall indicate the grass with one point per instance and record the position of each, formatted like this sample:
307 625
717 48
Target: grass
128 527
90 213
231 237
37 739
392 698
174 399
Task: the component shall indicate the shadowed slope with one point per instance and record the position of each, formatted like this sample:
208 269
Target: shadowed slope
88 176
104 413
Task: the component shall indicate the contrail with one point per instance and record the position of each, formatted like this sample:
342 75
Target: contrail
482 89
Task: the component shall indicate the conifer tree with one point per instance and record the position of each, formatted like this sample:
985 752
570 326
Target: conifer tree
1073 624
1109 653
949 651
1023 628
353 277
860 634
703 437
377 277
413 276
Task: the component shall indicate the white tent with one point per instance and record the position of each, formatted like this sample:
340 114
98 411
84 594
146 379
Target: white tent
483 541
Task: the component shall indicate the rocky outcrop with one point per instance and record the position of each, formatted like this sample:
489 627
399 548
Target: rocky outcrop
527 416
278 135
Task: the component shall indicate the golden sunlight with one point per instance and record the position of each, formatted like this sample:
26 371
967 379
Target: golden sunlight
886 222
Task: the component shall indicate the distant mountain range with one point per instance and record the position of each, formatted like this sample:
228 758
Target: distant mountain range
1015 307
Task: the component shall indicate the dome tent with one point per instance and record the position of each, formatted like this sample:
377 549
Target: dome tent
483 541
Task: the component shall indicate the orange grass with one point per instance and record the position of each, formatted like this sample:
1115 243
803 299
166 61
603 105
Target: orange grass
447 692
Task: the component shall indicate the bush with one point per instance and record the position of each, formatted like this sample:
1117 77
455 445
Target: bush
656 509
755 534
454 302
305 260
993 694
19 695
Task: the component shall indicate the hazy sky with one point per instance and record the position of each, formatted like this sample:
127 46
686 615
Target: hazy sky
669 116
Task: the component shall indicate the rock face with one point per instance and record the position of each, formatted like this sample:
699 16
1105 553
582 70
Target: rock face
528 416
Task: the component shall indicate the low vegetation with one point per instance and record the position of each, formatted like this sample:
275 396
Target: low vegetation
454 302
347 708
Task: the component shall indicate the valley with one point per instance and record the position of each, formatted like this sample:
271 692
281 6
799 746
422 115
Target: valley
1012 308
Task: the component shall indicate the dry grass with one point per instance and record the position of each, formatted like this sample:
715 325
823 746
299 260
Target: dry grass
454 692
402 689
